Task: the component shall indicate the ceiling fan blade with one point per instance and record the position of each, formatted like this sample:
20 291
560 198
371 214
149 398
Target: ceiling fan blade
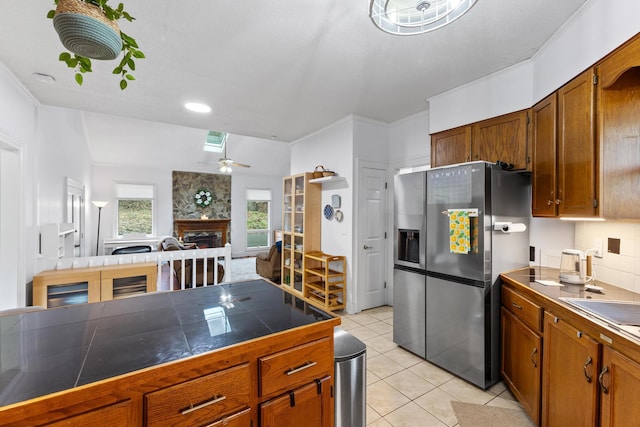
242 165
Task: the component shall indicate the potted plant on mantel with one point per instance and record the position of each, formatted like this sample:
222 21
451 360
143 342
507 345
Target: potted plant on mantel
89 30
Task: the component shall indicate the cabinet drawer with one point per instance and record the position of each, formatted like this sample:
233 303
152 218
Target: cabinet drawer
200 401
290 368
525 310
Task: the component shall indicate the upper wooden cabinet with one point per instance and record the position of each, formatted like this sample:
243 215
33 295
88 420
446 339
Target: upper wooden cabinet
451 146
619 109
564 151
577 191
544 158
502 138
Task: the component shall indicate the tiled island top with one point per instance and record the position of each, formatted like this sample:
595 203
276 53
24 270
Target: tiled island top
57 349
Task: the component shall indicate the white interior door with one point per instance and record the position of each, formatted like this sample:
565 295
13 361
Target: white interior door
371 238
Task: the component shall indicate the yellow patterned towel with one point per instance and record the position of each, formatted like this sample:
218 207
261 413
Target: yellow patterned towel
459 231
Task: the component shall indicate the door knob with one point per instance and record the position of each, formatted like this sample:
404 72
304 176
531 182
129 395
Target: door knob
368 247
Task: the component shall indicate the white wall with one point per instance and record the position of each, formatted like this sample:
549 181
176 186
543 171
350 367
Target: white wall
409 142
18 117
333 148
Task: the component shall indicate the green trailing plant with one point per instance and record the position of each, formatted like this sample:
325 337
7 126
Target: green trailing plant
129 46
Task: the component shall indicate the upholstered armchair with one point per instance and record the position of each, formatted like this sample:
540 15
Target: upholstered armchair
268 263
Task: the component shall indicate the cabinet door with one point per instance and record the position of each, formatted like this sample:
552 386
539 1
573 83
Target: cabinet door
577 184
502 139
521 363
308 406
570 376
451 146
544 156
619 390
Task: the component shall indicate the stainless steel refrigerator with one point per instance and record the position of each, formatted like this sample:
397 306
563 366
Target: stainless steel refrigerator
409 292
477 218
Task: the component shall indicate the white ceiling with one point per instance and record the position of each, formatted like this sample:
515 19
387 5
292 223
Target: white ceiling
275 69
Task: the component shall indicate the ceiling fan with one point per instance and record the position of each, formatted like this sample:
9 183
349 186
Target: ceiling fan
225 163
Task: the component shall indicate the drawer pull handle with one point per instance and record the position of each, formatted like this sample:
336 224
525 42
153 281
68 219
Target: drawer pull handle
604 388
215 399
225 420
301 368
519 307
533 353
584 369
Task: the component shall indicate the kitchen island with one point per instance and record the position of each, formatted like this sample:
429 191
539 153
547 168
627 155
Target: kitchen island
224 354
568 366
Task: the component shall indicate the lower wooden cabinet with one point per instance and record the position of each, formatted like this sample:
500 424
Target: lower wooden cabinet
570 375
619 381
118 414
201 401
309 405
522 363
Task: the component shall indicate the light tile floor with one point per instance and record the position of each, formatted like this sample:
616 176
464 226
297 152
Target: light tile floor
404 389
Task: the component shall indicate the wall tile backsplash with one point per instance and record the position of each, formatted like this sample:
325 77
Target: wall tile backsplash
622 269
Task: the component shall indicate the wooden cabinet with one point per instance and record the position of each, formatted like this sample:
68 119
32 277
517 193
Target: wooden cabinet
503 139
121 414
619 381
301 228
309 406
564 151
58 288
325 280
577 184
521 335
202 401
295 366
282 379
451 146
570 375
544 158
619 109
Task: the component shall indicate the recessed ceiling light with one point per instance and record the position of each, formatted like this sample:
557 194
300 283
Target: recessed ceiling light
43 78
197 107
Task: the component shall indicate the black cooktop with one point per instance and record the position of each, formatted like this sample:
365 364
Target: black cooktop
51 350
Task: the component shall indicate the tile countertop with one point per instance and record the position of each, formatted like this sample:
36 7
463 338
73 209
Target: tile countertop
52 350
528 276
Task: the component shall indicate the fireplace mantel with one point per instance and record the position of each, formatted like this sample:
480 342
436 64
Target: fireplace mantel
213 226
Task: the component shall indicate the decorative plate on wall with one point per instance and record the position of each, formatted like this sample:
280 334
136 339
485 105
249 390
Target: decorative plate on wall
328 212
339 215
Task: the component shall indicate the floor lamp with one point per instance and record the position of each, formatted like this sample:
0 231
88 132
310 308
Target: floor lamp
99 205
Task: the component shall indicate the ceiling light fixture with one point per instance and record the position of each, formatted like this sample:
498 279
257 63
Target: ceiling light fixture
43 78
406 17
197 107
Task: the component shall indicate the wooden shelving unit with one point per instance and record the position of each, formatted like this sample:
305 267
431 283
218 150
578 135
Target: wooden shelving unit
300 228
325 282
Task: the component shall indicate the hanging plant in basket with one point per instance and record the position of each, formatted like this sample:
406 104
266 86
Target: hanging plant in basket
89 30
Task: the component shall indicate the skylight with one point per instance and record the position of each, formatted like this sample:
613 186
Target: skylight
215 141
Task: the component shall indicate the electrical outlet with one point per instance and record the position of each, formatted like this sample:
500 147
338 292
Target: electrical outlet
597 245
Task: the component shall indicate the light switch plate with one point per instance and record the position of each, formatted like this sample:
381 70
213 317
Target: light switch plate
597 245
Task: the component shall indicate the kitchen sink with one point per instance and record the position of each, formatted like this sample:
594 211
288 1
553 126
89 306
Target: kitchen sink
624 315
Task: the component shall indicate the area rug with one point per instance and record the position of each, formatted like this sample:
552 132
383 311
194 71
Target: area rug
472 415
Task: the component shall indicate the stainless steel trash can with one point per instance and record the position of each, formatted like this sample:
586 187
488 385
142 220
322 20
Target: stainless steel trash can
350 380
